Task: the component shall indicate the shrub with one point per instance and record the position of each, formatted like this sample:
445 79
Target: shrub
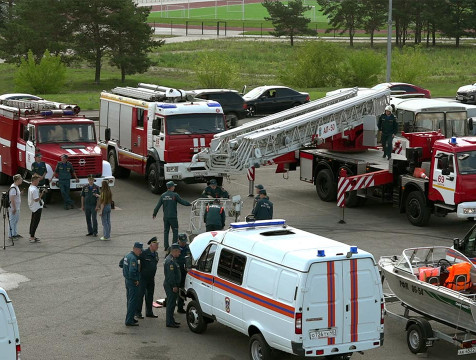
361 68
314 65
216 71
46 76
410 64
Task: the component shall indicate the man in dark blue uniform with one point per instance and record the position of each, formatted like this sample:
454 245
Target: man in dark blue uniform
64 172
171 284
169 200
131 272
89 197
214 191
264 208
257 197
182 262
387 124
214 216
148 259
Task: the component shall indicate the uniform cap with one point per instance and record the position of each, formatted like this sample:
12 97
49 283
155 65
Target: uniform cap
182 237
262 192
64 156
213 182
170 184
388 108
38 155
174 246
90 176
138 245
259 186
153 240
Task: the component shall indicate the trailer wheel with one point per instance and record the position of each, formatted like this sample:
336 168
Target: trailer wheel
326 187
155 178
415 339
117 170
418 213
259 348
195 320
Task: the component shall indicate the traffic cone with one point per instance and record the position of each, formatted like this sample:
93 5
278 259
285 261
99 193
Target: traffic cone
420 173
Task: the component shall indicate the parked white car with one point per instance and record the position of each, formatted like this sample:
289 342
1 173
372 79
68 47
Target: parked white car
466 93
9 336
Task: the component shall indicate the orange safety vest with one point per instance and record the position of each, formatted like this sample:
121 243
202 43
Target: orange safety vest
425 273
459 277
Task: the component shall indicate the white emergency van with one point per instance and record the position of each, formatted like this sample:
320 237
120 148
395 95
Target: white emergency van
9 335
287 289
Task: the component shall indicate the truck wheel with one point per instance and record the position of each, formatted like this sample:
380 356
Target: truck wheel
231 120
117 171
415 340
418 213
4 179
155 178
195 321
259 348
326 187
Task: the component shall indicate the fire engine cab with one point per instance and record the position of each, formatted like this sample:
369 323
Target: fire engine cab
155 131
29 125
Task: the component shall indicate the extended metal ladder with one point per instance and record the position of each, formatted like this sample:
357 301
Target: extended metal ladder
32 106
150 92
258 146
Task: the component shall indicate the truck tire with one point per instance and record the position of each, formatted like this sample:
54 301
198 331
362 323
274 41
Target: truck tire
195 320
415 339
117 171
155 178
4 179
326 187
259 348
418 213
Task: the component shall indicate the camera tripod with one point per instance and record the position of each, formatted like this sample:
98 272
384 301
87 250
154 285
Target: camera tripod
6 219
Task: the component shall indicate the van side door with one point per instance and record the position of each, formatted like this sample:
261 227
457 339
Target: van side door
203 279
228 294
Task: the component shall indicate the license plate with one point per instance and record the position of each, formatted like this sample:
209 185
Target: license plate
322 334
467 351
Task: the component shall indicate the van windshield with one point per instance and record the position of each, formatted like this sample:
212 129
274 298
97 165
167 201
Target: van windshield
69 133
467 162
456 124
195 124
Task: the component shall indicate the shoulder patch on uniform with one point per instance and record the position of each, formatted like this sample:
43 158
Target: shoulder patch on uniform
133 264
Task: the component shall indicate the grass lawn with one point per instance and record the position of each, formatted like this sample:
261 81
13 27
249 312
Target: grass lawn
259 62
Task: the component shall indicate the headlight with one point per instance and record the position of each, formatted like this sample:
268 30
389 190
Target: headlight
172 168
469 211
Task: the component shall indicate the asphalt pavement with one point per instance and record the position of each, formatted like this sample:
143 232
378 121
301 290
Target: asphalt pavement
68 291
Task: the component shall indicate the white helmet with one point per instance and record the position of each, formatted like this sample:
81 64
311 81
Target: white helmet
388 108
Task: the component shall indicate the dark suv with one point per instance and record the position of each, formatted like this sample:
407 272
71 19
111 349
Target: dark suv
233 104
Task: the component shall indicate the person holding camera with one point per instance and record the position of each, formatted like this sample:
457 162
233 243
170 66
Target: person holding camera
39 168
36 205
14 195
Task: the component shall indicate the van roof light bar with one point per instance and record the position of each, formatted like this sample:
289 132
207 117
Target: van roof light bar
259 223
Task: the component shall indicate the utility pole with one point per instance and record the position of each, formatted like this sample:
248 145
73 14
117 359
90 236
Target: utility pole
389 41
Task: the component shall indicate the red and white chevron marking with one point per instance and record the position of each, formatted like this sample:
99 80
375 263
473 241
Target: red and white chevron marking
344 185
251 174
398 147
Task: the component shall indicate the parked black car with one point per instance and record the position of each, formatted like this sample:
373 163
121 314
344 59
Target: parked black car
231 101
271 99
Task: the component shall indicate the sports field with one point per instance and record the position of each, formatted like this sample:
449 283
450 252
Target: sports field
227 10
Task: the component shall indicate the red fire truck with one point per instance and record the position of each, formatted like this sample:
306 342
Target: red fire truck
155 131
29 125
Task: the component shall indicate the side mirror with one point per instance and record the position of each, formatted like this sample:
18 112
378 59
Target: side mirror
26 134
188 262
456 243
243 90
107 134
470 124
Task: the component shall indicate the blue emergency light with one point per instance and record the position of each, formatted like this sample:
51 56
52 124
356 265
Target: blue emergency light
453 140
214 104
353 250
167 106
321 253
258 224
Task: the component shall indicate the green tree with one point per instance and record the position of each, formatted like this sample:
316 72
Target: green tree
458 19
40 77
345 15
288 20
131 39
35 25
374 16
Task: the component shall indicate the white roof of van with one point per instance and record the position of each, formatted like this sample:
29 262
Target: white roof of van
288 246
418 105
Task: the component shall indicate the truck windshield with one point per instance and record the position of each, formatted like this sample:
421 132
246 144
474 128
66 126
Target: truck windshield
456 124
61 133
195 124
467 162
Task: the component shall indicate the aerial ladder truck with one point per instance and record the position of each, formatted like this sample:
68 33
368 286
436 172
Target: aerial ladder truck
432 175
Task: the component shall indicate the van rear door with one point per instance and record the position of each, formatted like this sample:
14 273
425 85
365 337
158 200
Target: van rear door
7 330
342 303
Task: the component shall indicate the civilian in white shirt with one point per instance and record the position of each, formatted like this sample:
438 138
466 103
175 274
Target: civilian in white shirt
36 205
14 195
